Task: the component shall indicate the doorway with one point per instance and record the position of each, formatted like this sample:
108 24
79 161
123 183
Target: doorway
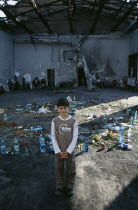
133 66
81 77
51 78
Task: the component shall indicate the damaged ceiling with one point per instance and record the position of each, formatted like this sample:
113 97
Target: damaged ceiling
70 16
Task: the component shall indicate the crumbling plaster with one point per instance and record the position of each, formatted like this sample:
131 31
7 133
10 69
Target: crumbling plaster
133 42
6 58
101 53
36 61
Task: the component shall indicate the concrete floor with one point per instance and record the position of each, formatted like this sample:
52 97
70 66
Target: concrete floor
104 181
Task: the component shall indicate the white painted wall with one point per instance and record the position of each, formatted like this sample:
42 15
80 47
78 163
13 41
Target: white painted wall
112 51
47 56
101 50
6 58
133 42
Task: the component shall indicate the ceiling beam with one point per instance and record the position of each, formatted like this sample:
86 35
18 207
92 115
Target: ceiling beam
129 27
100 7
121 7
70 14
15 20
126 14
44 21
5 26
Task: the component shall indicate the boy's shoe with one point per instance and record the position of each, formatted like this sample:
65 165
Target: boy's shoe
58 191
70 191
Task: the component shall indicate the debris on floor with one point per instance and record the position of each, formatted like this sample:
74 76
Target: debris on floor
99 122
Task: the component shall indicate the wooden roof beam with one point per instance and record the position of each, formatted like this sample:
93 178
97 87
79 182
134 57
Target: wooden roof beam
101 5
44 21
133 4
129 27
15 20
70 13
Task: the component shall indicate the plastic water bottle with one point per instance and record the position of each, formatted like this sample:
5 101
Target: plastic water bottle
37 128
86 144
105 118
48 137
121 137
16 146
129 135
126 146
51 149
5 117
120 105
3 146
136 116
132 120
42 143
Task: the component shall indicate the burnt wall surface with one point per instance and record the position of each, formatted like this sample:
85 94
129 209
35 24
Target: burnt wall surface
31 62
6 58
133 42
107 55
104 54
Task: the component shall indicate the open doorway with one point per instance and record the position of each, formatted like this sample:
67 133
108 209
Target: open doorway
51 78
133 66
81 77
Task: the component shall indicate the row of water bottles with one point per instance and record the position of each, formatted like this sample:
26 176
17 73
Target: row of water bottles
85 140
43 144
15 145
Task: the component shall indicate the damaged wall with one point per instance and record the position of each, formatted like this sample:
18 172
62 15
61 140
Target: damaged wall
108 56
6 58
133 42
35 63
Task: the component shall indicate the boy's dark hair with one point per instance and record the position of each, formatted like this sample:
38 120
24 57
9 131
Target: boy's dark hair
62 102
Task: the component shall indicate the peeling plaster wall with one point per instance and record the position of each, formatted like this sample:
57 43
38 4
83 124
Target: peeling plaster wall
107 56
6 58
46 56
104 53
133 42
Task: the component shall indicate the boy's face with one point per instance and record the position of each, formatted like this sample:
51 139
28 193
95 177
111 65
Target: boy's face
63 110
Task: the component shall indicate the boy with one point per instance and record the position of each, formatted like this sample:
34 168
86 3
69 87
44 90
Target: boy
64 132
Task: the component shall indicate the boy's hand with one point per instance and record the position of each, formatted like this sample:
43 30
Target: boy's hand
63 155
66 154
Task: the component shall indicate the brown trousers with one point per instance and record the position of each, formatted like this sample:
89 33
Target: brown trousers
65 170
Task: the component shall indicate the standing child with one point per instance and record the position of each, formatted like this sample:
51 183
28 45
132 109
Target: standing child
64 132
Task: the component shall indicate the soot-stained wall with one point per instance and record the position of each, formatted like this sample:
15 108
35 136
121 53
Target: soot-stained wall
36 62
105 54
109 56
133 42
6 58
